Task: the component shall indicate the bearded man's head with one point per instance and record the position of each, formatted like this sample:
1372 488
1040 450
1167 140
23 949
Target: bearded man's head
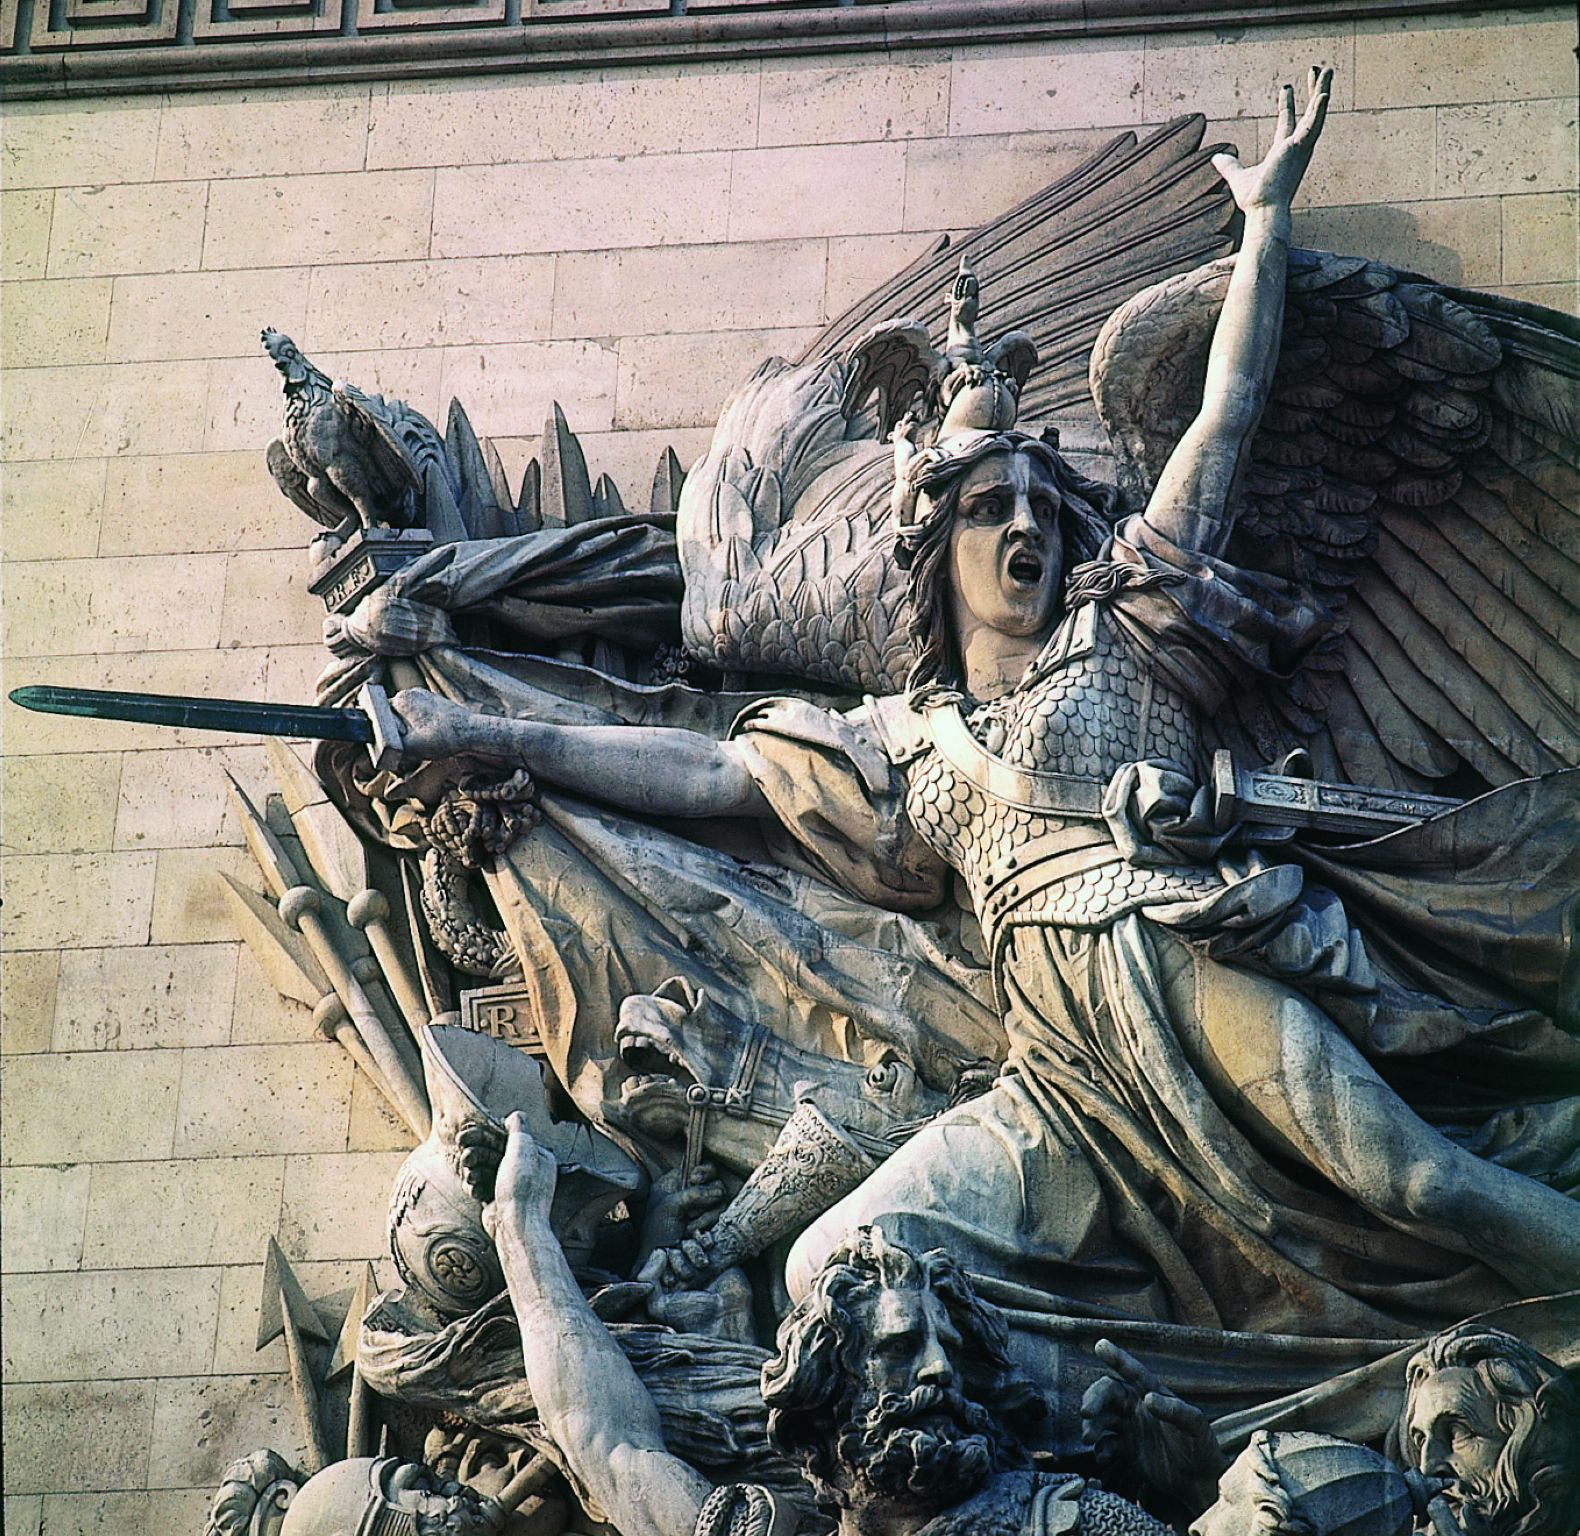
893 1381
1503 1421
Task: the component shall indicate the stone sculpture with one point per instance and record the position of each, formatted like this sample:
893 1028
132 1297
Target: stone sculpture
1157 896
892 1388
337 458
1502 1422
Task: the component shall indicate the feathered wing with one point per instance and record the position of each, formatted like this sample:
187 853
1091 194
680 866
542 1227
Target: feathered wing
783 538
293 483
783 527
1418 469
897 362
1057 265
394 477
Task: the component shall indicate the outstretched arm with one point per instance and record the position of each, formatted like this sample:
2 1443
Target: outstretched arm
653 770
588 1397
1194 494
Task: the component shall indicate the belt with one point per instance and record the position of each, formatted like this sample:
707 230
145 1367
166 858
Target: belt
1051 794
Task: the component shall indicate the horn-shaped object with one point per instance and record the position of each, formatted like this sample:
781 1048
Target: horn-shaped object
812 1164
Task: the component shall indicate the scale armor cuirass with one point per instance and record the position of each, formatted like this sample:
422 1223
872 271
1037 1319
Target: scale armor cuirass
1091 709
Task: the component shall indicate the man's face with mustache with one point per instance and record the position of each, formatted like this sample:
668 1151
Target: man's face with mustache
1452 1431
911 1438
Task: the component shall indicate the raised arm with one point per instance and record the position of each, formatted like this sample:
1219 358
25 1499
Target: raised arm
1192 501
653 770
588 1397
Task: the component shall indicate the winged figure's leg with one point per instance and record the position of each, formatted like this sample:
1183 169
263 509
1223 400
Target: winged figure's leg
1299 1085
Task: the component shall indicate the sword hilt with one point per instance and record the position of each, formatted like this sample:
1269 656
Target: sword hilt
388 742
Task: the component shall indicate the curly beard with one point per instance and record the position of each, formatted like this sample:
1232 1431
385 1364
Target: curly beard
928 1447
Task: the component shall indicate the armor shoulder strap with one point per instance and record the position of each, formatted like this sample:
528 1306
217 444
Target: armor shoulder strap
902 729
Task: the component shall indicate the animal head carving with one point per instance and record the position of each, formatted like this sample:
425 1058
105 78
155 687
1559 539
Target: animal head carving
287 357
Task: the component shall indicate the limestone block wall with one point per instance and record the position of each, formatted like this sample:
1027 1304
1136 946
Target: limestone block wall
628 244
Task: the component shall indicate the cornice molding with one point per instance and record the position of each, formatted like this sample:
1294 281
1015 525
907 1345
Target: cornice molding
141 46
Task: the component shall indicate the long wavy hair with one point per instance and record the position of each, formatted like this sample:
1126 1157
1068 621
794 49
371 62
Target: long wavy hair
1086 515
812 1384
1535 1486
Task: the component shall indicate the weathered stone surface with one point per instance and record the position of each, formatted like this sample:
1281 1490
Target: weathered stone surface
1454 240
263 1099
1506 147
1237 73
62 804
375 1127
49 323
668 289
203 314
44 1210
27 1000
164 995
64 144
24 1514
1560 296
51 509
354 216
1540 238
200 1211
1080 83
198 1421
507 386
162 481
109 1326
151 506
260 1015
90 1434
335 1203
952 183
1362 155
262 133
94 412
683 380
1433 61
472 301
187 906
570 205
778 194
76 901
639 112
627 457
809 101
178 799
115 1514
25 216
267 601
67 608
858 263
140 228
92 1106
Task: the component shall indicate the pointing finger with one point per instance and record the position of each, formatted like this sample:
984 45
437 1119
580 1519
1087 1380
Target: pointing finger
1126 1366
1286 111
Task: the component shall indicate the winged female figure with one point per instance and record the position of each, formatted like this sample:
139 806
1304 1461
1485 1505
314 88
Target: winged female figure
1229 1098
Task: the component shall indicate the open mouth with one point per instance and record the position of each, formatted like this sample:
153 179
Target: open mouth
1025 569
649 1061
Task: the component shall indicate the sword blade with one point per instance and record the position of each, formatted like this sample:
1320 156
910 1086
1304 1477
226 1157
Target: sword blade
300 720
